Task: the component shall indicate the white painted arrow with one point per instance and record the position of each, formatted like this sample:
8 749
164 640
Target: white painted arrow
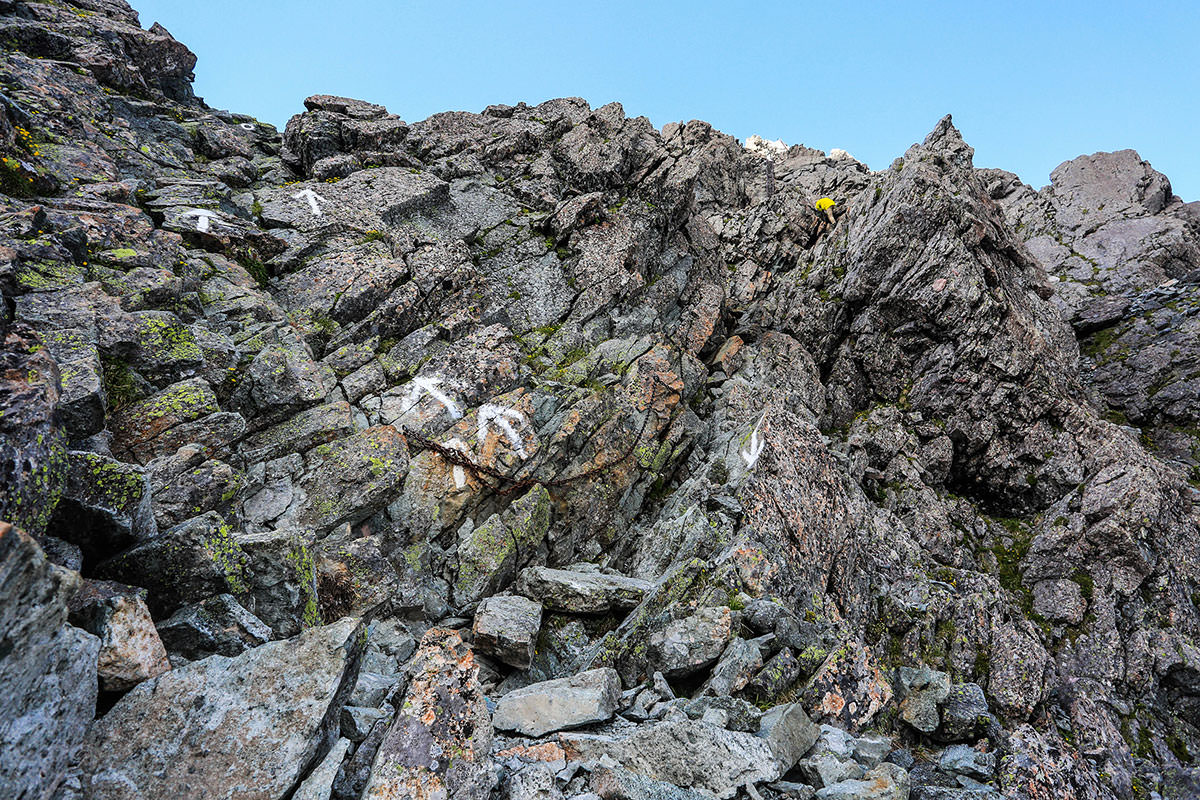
756 445
500 416
203 216
460 475
430 385
312 198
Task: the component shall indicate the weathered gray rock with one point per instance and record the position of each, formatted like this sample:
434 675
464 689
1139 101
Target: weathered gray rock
884 782
741 660
506 627
1059 601
923 690
487 555
778 675
48 670
217 625
559 704
826 769
130 648
789 733
580 592
687 645
686 753
962 710
960 759
192 561
441 738
616 783
261 719
319 783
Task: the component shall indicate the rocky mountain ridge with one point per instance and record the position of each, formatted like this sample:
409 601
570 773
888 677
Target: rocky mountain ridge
538 453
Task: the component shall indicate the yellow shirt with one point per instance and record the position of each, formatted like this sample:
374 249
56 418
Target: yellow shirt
825 203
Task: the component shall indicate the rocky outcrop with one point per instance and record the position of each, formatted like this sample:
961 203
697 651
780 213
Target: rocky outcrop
666 473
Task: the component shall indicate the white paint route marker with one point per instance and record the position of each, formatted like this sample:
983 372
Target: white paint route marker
500 417
460 475
203 216
430 385
313 200
756 445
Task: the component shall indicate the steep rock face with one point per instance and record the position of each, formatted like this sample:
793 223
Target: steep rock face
738 455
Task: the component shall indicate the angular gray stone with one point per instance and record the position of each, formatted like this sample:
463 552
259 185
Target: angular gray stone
106 506
961 759
1059 601
617 783
48 670
826 769
506 627
884 782
962 709
580 592
319 783
218 625
789 733
741 660
922 689
685 752
357 721
487 555
559 704
687 645
217 725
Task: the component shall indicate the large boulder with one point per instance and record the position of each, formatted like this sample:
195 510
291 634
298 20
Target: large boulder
243 727
48 671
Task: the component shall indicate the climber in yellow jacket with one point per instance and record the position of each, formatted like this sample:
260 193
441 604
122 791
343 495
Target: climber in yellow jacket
825 205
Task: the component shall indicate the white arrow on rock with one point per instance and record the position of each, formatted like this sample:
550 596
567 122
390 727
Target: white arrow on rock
756 445
203 216
430 385
500 416
313 199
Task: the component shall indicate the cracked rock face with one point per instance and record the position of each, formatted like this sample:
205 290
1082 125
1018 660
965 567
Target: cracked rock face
660 466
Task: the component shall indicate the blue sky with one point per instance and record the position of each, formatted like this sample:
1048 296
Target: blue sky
1030 84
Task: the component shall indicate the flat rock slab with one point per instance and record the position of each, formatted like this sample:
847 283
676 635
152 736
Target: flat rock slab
691 753
506 626
232 728
581 592
556 705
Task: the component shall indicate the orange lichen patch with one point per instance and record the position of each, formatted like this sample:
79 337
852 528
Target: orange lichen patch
832 704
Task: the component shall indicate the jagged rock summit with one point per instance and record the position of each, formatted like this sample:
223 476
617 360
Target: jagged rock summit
540 454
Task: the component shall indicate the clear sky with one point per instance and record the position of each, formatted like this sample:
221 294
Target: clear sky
1030 84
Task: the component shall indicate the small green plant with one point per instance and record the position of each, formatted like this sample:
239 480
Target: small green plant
120 388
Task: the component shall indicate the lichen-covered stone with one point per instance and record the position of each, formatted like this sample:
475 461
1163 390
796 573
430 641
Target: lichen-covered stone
487 555
194 560
440 741
105 507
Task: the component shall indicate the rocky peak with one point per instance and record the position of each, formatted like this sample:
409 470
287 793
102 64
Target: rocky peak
538 453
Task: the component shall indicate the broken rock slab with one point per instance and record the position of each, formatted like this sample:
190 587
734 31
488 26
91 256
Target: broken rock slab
688 645
581 592
439 744
216 726
559 704
506 627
